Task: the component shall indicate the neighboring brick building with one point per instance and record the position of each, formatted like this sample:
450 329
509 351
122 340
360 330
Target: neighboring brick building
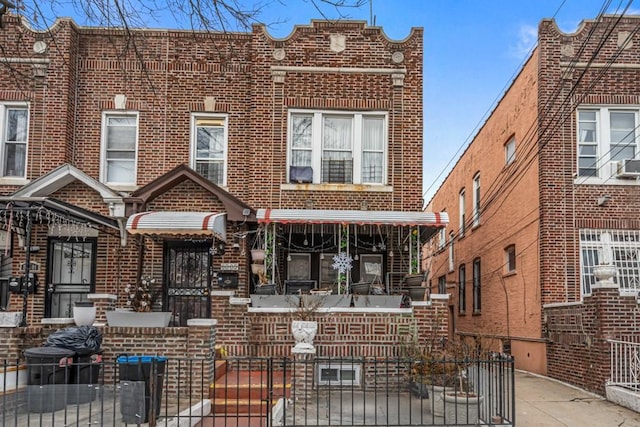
540 197
140 153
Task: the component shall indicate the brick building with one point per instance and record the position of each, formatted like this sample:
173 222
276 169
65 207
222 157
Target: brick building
172 154
544 197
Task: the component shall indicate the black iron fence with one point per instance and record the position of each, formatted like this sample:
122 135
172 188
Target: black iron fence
305 391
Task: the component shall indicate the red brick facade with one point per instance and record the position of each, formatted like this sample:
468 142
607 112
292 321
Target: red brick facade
540 202
165 78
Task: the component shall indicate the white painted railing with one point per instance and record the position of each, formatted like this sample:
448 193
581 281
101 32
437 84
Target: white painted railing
625 364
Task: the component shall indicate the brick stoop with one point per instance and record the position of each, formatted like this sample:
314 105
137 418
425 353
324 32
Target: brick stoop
246 392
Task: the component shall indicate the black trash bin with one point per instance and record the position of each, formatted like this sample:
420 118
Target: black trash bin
137 373
85 377
48 375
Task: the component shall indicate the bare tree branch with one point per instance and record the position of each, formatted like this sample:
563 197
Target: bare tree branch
203 15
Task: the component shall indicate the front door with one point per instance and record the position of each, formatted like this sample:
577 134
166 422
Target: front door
70 274
188 281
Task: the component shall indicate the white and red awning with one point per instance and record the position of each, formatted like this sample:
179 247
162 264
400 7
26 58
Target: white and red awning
178 223
313 216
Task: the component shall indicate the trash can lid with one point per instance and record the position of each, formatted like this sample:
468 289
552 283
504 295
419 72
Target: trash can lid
48 352
140 359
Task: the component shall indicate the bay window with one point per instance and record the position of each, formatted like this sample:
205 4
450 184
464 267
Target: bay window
337 147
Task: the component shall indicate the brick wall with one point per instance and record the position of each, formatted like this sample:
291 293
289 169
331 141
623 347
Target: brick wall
345 333
578 349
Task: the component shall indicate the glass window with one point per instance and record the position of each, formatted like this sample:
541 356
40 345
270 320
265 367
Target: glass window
510 259
510 151
451 253
15 130
299 267
462 289
462 217
339 147
442 285
371 268
210 148
620 248
442 238
477 303
120 148
328 275
476 200
605 135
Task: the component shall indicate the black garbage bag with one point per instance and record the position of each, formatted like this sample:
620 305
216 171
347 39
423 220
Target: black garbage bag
82 339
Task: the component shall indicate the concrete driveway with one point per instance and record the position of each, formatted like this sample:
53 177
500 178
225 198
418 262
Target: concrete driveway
543 402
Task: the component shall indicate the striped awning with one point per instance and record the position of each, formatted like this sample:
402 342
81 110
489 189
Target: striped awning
313 216
178 223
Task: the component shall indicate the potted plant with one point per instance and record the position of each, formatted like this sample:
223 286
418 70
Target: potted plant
141 298
462 402
304 326
431 374
264 285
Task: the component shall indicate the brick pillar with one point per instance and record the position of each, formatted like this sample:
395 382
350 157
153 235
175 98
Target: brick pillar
103 303
200 348
302 376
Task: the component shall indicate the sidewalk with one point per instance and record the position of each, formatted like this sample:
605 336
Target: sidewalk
544 402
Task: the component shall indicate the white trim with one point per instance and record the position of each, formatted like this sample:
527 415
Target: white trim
103 146
4 106
317 117
356 368
562 304
201 322
361 188
193 142
340 70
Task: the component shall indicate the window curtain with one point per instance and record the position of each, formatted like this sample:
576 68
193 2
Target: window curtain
372 149
301 142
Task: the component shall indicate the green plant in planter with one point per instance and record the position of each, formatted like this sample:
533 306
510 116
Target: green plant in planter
268 257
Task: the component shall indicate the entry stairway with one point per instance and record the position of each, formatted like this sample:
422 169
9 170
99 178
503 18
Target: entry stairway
244 397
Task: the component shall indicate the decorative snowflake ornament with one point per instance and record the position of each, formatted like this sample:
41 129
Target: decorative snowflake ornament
342 262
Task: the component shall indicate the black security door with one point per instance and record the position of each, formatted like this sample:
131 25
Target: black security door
188 278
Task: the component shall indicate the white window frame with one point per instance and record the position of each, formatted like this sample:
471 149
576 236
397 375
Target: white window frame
604 164
223 119
442 238
103 150
451 253
476 200
624 247
461 213
357 148
5 107
510 151
340 367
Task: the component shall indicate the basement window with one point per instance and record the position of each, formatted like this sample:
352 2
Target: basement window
339 374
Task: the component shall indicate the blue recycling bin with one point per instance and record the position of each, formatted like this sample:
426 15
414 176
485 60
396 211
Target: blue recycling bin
140 376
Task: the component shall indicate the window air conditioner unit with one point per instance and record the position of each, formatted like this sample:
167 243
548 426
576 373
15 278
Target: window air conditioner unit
300 174
628 168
